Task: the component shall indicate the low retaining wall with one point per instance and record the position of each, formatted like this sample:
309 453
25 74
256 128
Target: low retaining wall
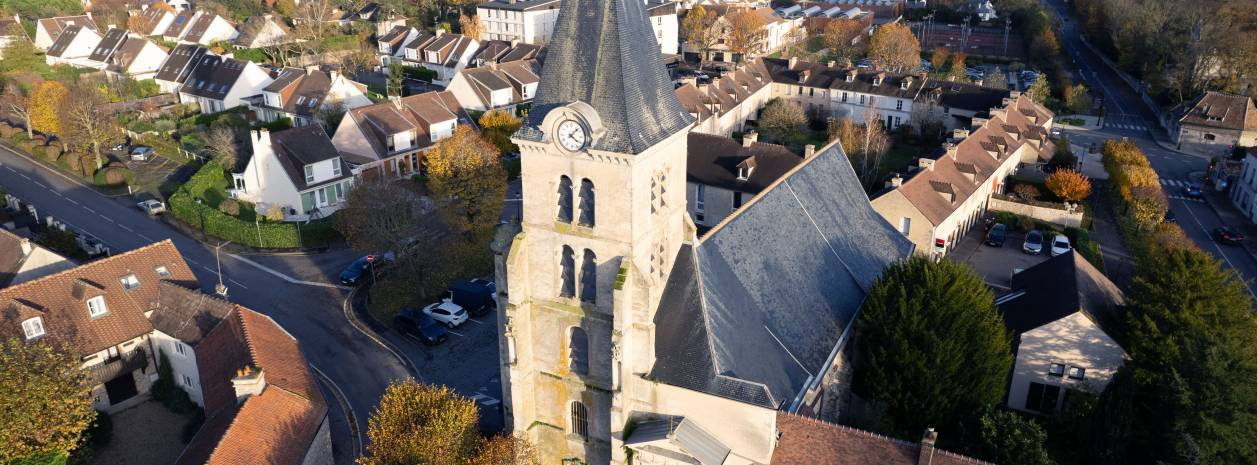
1042 213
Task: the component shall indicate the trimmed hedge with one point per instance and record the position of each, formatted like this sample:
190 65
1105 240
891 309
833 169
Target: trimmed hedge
211 181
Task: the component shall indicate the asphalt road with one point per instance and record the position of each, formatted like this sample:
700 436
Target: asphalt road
1127 116
311 311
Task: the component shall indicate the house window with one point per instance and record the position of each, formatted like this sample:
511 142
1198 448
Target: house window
1077 372
580 421
578 350
309 173
811 92
179 348
565 199
897 121
162 272
861 100
33 328
129 281
589 277
1057 369
800 90
586 203
567 273
700 205
336 168
187 381
899 104
96 306
1042 397
844 97
905 225
1210 136
322 197
737 199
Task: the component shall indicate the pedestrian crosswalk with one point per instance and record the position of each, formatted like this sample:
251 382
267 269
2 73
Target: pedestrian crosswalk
1174 190
1174 183
1133 127
1185 199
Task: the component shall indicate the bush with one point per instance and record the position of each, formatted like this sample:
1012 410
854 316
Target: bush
1026 191
100 432
1009 220
87 163
70 161
114 175
230 207
165 391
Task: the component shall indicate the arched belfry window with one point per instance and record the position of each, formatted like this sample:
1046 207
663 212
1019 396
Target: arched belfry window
589 277
578 351
586 203
567 272
565 199
580 420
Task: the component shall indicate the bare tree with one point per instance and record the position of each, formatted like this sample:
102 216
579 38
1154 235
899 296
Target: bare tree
220 143
17 99
383 216
84 123
311 26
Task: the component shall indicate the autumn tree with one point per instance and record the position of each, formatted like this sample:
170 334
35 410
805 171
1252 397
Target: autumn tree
498 126
365 228
47 100
957 67
467 181
933 324
1079 100
781 118
865 144
421 424
939 59
470 25
1040 91
698 29
1069 185
83 122
895 48
842 37
997 79
45 402
746 32
17 101
506 450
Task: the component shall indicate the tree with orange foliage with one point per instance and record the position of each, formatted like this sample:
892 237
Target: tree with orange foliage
895 48
842 36
939 59
467 180
45 112
746 33
1069 185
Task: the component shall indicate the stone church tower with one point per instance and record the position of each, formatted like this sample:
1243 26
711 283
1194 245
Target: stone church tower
604 166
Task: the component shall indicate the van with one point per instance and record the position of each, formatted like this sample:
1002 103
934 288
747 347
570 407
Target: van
477 296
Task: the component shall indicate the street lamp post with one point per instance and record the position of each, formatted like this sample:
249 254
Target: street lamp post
221 288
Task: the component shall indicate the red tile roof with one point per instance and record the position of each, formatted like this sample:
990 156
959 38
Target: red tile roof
807 441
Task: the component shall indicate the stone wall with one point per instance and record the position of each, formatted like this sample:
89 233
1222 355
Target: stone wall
1039 212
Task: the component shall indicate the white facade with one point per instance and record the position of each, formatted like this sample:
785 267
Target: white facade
265 182
533 25
183 368
219 30
666 27
840 103
1069 353
146 63
250 82
44 38
1244 188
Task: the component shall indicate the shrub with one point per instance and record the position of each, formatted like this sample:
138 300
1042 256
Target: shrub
163 126
70 161
52 153
1069 185
230 207
87 164
114 175
168 393
1026 191
1009 220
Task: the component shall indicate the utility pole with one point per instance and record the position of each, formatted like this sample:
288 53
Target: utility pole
221 288
1008 25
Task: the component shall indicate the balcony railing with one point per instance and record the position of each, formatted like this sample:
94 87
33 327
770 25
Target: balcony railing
131 361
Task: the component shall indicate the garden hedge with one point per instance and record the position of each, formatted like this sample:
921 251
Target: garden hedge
208 219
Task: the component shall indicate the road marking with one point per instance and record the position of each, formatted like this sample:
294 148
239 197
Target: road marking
149 239
90 210
72 201
456 333
343 400
473 320
1220 252
107 218
484 400
284 276
28 178
211 270
125 228
408 364
237 283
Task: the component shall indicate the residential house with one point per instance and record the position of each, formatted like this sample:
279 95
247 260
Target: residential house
388 139
108 44
982 9
391 45
503 51
182 318
936 203
47 30
297 170
724 105
445 54
1061 313
496 87
178 65
208 29
664 22
1215 122
98 311
884 10
777 33
300 95
180 24
722 174
137 58
956 104
526 21
219 83
828 91
720 332
153 21
1244 186
11 30
74 46
23 260
263 31
805 441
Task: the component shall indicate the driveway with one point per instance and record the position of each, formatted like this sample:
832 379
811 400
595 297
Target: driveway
146 434
995 265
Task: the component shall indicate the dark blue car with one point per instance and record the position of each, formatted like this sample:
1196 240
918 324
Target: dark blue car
354 272
420 325
1191 191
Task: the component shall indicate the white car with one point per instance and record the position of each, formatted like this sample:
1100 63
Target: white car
152 207
446 312
142 153
1060 245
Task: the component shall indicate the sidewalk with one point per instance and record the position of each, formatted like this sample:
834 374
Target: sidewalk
1089 123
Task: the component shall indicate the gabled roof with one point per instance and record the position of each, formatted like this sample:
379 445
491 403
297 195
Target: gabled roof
180 63
603 53
55 26
187 314
66 38
255 26
754 320
213 76
807 441
125 56
725 93
964 96
182 21
13 259
521 52
835 77
414 113
1056 288
200 27
1220 110
714 161
521 5
297 147
61 299
448 47
108 44
147 21
485 80
395 35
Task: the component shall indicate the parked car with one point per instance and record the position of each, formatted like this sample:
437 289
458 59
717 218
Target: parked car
1056 132
477 296
420 325
354 272
1060 245
1227 236
995 237
142 153
1033 244
152 206
1192 191
446 312
1169 216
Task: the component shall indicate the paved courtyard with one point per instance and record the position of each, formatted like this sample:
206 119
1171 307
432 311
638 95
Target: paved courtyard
146 434
995 264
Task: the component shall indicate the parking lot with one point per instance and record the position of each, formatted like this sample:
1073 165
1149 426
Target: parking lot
996 264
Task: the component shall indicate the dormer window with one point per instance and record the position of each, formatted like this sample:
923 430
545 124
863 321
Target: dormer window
336 167
33 328
309 173
162 272
851 76
745 168
904 84
96 306
129 281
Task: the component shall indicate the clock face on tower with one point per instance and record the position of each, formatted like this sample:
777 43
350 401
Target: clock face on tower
572 135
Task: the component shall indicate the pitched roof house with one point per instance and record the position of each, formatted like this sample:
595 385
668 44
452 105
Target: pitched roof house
297 170
391 45
723 173
47 30
136 58
806 441
263 31
177 66
725 105
218 83
1058 312
180 24
1216 120
388 139
446 54
11 30
208 28
501 86
74 46
833 91
154 20
22 260
503 51
298 94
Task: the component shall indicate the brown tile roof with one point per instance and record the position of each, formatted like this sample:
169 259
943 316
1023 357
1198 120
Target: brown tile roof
11 256
835 77
726 93
55 26
807 441
61 299
10 27
715 160
180 23
416 112
146 23
187 314
1225 111
126 54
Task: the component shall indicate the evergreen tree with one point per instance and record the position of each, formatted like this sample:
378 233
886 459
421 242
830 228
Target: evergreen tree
1008 437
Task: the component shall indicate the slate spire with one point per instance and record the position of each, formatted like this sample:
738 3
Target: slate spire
604 53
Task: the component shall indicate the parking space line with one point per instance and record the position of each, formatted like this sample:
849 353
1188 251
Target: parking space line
456 333
473 320
237 283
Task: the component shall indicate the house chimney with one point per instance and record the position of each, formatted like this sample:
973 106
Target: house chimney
832 64
895 182
311 69
959 134
926 456
809 151
1014 94
26 247
262 136
793 61
750 138
927 163
249 381
439 31
334 74
951 149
